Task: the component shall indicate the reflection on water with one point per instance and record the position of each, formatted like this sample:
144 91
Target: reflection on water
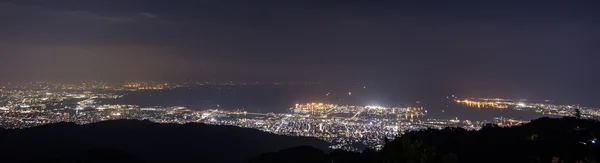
279 99
478 111
479 104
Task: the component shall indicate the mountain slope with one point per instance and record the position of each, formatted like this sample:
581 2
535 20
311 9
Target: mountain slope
149 141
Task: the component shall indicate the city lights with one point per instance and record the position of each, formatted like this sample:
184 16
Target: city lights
483 104
35 104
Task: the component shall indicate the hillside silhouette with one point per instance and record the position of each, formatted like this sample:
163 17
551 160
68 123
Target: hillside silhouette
142 141
543 140
128 141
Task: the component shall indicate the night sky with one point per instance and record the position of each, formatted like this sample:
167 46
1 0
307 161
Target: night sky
512 47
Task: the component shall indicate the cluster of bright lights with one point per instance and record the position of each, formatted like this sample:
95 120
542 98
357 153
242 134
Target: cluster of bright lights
374 107
480 104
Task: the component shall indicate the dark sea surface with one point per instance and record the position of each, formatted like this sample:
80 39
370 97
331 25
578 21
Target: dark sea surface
279 98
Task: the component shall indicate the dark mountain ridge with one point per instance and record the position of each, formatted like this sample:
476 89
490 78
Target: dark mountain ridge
151 142
544 140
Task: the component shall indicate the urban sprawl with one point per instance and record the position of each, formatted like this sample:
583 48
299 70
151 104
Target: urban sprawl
344 126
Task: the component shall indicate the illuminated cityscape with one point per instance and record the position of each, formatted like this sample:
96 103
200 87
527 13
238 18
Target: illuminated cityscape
348 127
299 81
484 104
543 107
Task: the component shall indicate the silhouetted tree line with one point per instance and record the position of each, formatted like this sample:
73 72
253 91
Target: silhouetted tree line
543 140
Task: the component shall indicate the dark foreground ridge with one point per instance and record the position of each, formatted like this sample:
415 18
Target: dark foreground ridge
543 140
142 141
